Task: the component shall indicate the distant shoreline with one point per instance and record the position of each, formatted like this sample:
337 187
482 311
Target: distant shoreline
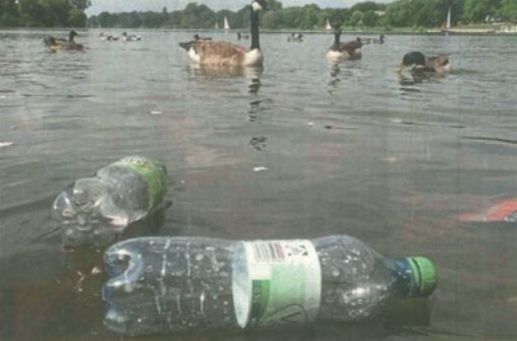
465 30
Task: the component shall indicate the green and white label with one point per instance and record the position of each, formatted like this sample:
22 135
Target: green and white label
153 174
280 283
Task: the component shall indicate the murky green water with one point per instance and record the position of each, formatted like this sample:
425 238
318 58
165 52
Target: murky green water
300 150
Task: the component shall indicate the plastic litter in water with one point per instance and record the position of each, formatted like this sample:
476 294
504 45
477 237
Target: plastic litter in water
163 284
156 112
503 211
259 169
97 210
6 144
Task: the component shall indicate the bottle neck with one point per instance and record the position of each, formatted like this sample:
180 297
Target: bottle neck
407 282
88 192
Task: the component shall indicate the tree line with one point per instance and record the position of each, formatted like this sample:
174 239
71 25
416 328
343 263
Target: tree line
43 13
399 13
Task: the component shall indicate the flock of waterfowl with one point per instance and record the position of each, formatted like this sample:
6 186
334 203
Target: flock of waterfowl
205 51
125 37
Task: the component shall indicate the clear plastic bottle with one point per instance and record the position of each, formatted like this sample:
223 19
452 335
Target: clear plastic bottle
96 210
162 284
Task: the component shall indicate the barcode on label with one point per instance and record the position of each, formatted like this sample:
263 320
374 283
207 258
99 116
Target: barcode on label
268 252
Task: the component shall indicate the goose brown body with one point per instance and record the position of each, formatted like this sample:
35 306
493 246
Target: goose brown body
419 63
352 48
62 44
221 53
344 51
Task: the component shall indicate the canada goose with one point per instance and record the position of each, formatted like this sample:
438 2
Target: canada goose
419 63
228 54
344 51
242 36
379 41
295 37
132 37
58 44
198 37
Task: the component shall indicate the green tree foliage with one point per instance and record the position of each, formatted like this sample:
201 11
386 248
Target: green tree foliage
77 18
43 13
508 10
9 15
357 18
422 13
80 4
478 10
367 6
399 13
370 19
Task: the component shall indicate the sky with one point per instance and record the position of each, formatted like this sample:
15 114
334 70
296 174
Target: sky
172 5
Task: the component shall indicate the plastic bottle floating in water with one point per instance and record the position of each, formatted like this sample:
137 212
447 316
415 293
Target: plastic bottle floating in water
96 210
161 284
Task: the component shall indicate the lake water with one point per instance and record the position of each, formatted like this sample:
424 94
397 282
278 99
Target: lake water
300 150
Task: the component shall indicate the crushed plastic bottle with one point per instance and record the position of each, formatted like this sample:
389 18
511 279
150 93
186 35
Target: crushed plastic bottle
162 284
96 210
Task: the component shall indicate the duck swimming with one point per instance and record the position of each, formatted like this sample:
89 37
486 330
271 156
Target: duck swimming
132 37
344 51
108 37
295 37
62 44
419 63
227 54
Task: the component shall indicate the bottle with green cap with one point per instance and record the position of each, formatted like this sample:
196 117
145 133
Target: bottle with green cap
168 284
96 210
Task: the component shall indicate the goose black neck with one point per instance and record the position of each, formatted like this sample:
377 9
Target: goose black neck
335 46
254 29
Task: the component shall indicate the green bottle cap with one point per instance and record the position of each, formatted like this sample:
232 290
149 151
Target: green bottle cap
424 276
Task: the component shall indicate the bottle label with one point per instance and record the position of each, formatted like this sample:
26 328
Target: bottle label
153 175
284 277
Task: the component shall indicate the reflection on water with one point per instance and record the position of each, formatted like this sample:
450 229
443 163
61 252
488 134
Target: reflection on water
249 72
257 107
259 143
335 70
413 78
347 148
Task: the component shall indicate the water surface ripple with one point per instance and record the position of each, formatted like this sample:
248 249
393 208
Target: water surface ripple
350 148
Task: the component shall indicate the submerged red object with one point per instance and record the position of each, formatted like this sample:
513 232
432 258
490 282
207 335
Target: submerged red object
503 211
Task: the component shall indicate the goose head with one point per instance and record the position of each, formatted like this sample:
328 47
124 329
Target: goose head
72 34
412 58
